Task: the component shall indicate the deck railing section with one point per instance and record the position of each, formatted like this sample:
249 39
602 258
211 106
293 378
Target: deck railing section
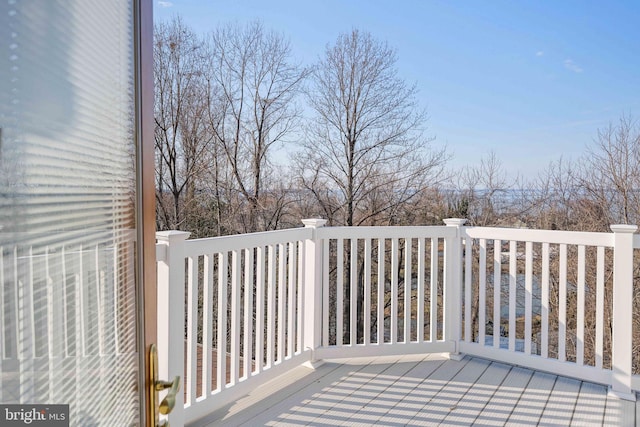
383 287
526 291
564 302
229 309
256 305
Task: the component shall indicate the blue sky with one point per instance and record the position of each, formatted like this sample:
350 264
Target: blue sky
529 80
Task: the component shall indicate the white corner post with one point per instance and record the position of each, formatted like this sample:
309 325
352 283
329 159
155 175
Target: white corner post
453 286
171 299
622 338
312 319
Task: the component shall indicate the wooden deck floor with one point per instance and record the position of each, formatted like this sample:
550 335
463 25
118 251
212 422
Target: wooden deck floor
425 391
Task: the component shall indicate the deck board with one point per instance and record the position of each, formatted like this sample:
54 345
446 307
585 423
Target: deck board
357 390
500 406
291 388
398 412
619 412
424 390
474 401
592 401
562 402
422 395
447 399
532 400
305 405
396 385
402 392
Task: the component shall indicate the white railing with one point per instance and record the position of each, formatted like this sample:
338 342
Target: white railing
543 274
242 298
377 285
236 311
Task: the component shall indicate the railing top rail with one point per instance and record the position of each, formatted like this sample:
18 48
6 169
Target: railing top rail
237 242
540 236
376 232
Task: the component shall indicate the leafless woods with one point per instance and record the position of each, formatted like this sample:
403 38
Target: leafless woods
248 139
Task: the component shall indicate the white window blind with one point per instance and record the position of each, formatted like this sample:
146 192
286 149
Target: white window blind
67 196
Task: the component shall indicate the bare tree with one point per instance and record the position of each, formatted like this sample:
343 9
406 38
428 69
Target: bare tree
596 190
253 87
550 196
181 133
482 192
611 171
364 154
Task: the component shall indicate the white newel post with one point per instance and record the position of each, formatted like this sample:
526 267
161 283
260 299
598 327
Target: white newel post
171 299
453 286
622 337
312 319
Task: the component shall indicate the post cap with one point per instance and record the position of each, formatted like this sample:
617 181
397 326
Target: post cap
172 236
314 222
455 221
623 228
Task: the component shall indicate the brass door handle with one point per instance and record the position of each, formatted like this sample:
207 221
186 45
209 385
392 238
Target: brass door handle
156 385
169 401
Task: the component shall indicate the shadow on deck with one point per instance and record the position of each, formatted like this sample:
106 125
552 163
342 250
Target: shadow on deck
425 390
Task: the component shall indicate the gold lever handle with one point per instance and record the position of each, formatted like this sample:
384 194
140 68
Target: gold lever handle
156 385
169 400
